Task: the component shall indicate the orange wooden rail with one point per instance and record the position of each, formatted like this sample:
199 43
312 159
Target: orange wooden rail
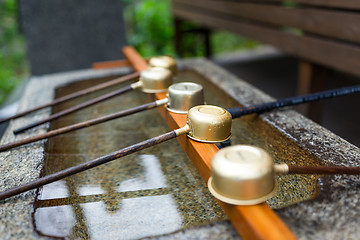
110 64
251 222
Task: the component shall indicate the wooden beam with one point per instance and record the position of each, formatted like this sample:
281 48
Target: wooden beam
251 222
113 64
344 4
136 61
110 64
328 22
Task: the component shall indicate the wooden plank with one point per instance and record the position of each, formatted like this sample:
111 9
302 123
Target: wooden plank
337 24
110 64
342 57
251 222
136 61
344 4
349 4
113 64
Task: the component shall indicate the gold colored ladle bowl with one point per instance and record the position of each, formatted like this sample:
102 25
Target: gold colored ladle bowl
164 62
242 175
183 96
155 80
209 123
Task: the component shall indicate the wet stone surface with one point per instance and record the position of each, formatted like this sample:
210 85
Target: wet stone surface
154 192
161 182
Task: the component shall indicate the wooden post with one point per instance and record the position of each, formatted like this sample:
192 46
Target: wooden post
207 42
311 79
179 33
178 37
251 222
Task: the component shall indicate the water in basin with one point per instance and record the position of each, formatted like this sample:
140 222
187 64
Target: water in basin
156 191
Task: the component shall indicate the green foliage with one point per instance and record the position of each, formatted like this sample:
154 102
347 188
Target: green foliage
150 30
290 4
224 42
149 26
12 51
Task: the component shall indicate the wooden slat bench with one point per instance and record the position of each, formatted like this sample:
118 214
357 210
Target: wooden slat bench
323 34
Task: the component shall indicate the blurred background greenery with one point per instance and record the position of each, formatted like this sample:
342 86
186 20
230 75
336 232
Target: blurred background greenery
13 64
150 30
149 27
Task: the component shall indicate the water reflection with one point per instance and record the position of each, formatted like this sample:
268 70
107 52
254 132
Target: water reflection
90 189
54 190
156 215
59 221
156 191
144 201
153 176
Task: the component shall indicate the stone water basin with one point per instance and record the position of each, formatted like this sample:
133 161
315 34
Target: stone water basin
157 193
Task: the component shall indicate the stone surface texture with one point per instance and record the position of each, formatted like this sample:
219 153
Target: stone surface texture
335 212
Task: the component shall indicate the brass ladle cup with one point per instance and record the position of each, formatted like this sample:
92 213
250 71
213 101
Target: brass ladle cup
245 175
